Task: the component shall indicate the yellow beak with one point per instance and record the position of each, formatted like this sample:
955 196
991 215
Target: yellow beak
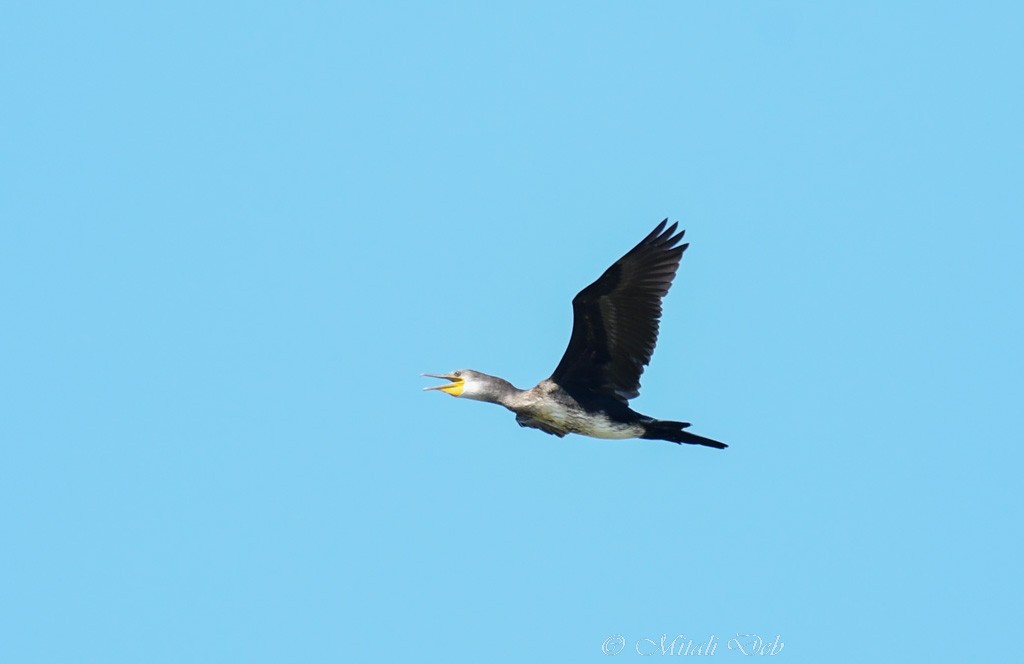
454 388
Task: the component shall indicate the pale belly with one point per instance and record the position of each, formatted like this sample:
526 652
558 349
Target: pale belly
570 421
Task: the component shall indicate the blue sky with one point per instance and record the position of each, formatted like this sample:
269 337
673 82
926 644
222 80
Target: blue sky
233 235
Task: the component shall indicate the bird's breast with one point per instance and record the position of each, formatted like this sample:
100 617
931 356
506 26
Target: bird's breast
572 419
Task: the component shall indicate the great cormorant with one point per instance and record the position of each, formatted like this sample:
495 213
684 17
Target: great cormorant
614 329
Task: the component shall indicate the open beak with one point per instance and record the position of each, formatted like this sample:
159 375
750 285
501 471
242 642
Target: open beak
454 388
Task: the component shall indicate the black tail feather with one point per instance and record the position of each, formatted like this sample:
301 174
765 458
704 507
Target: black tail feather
673 432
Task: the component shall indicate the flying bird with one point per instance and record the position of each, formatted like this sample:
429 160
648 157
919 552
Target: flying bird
614 329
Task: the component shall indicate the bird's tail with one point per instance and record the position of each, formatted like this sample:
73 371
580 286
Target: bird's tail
673 432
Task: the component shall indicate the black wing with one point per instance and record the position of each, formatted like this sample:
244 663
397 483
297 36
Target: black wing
615 319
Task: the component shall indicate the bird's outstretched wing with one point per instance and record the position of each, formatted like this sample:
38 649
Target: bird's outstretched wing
615 319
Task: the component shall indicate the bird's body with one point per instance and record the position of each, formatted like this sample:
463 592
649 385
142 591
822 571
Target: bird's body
615 327
549 407
552 409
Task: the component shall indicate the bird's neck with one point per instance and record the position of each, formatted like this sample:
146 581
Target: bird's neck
499 391
510 396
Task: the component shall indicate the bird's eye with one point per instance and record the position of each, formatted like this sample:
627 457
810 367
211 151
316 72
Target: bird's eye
456 373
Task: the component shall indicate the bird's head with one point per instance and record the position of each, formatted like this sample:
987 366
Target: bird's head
469 384
458 382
